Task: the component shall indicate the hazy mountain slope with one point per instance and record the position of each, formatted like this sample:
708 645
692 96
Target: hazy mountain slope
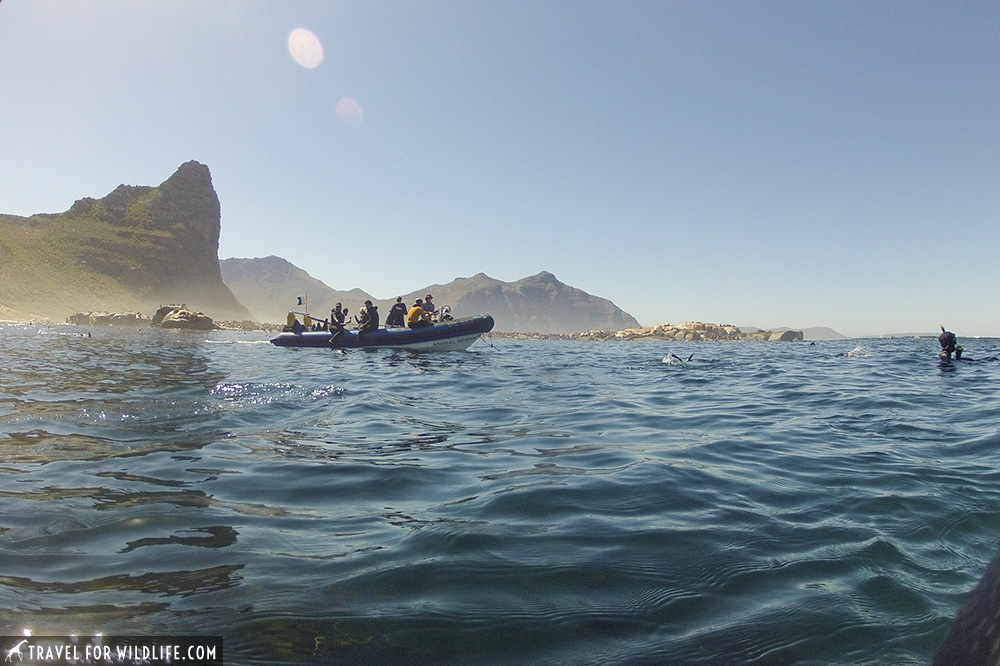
537 304
133 250
270 287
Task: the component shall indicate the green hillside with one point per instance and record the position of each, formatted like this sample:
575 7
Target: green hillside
137 248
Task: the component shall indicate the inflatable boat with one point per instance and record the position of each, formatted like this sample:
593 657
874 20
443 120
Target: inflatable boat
453 335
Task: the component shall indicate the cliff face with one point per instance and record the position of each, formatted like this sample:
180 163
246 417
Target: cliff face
132 250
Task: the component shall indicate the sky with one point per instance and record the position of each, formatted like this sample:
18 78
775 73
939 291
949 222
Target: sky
815 163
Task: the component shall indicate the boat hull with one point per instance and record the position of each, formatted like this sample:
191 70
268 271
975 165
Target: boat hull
454 335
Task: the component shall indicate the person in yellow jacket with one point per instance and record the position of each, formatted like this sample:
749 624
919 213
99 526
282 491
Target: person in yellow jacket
293 324
416 317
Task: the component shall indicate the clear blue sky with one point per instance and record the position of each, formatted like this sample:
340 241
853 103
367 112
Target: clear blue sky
750 162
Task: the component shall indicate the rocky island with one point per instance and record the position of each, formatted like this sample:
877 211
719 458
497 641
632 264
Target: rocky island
695 331
179 316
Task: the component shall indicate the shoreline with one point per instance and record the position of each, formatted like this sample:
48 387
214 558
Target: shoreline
687 332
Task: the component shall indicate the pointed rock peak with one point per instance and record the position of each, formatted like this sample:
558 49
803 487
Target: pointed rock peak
275 260
543 278
188 174
188 197
192 184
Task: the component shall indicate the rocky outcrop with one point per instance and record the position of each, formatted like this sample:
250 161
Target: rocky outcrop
180 221
691 332
108 319
173 316
785 336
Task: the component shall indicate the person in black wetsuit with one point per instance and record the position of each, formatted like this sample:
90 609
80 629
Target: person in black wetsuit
369 318
949 344
397 315
337 318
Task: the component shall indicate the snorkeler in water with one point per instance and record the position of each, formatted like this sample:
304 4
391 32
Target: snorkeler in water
949 344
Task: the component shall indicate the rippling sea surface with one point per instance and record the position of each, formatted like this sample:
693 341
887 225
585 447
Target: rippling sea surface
530 502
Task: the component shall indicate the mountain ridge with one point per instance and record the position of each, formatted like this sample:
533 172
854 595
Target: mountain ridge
142 246
538 304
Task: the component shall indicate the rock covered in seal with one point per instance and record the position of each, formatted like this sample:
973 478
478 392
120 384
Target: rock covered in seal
172 316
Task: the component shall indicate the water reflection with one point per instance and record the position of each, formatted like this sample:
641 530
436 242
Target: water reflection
112 361
67 397
166 583
218 536
58 621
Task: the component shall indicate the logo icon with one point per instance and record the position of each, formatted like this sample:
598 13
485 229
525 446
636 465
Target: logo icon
16 650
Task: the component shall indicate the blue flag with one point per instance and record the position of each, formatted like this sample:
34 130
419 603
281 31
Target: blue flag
299 297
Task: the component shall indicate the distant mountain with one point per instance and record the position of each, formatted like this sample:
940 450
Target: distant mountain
537 304
270 287
137 248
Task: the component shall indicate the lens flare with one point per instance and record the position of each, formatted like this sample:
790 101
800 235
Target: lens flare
349 112
305 48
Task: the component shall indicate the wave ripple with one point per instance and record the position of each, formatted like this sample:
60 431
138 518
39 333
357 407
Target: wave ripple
539 502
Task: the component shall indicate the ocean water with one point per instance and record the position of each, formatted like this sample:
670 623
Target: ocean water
524 502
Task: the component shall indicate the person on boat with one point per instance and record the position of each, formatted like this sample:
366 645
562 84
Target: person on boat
949 344
338 316
417 317
397 314
429 306
369 318
292 324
